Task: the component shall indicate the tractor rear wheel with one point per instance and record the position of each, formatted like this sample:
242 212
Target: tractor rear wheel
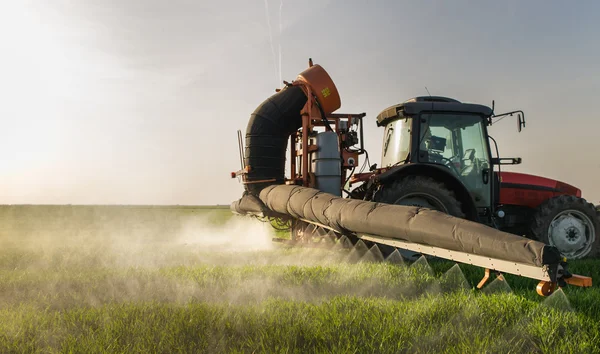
418 191
570 224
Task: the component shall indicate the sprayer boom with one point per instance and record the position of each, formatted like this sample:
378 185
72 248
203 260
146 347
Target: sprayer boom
550 276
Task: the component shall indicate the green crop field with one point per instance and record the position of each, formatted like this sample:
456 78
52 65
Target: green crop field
184 279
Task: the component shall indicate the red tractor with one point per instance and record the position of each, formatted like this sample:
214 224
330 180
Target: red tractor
437 154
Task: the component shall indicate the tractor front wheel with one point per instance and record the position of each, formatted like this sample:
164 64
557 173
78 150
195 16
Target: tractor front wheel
570 224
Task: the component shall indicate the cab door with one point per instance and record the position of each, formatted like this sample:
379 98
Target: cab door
475 163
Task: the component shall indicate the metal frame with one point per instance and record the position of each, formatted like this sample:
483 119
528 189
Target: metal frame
524 270
300 147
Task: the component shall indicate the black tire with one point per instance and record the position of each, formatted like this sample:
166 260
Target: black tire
440 197
410 186
571 235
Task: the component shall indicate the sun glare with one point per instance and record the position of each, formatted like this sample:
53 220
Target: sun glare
36 58
37 73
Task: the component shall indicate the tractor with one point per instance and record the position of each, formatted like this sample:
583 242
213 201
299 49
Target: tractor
438 166
437 154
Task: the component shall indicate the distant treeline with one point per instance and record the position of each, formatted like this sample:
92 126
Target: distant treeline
131 206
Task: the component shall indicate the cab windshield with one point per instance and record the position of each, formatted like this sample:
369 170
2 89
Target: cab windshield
458 142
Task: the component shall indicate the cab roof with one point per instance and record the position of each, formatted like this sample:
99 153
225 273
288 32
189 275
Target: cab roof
416 105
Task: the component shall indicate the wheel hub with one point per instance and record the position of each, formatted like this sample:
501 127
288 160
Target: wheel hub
572 232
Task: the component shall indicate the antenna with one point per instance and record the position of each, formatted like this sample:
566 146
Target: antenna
427 91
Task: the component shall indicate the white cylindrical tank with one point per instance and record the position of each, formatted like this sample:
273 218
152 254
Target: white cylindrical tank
327 164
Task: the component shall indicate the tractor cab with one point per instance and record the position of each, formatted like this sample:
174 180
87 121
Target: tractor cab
442 132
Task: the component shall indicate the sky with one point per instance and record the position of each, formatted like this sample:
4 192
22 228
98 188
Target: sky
139 101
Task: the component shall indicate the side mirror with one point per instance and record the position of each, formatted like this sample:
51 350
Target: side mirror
521 121
499 117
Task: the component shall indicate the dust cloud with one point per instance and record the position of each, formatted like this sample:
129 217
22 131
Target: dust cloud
61 257
93 237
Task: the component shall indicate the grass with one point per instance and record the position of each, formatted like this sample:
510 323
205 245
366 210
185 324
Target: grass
99 293
454 323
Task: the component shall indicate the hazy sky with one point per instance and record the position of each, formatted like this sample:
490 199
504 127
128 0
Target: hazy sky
138 101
